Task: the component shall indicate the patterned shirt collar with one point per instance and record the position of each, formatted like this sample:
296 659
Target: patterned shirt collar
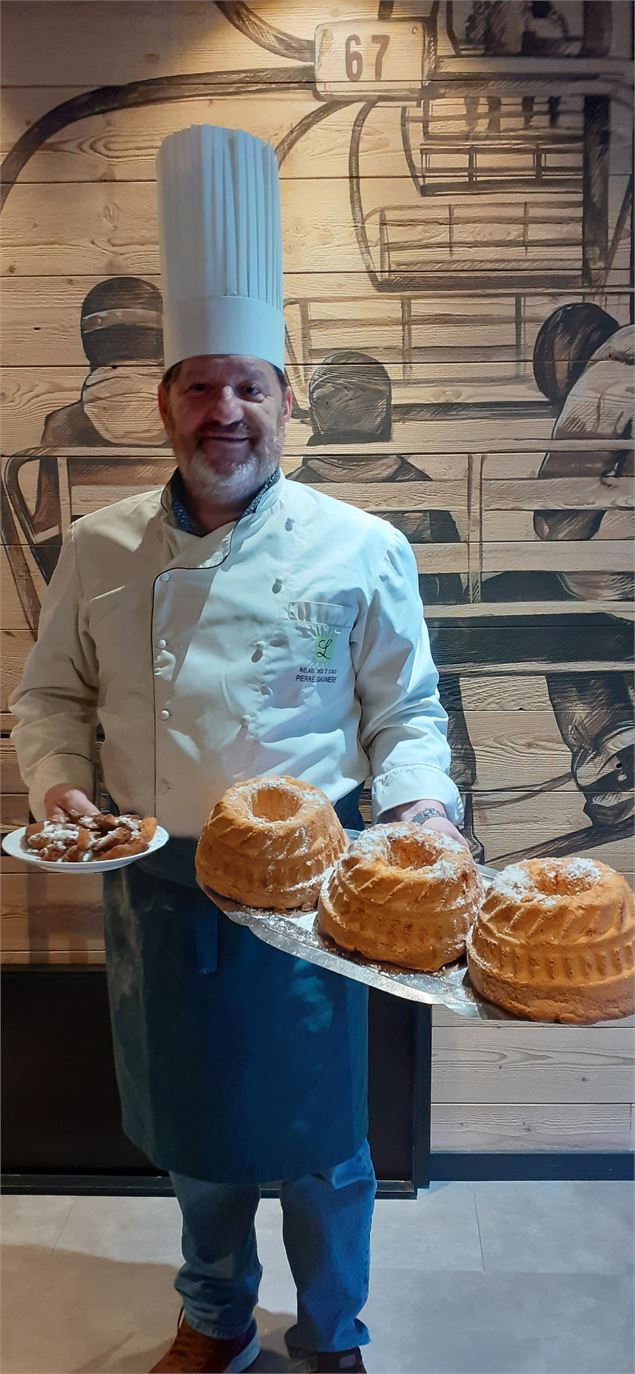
180 514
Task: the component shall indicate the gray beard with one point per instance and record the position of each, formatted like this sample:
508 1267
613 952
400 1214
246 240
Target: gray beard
238 483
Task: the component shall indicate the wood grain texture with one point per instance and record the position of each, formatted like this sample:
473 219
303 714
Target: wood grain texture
109 228
533 754
470 275
442 1016
122 145
12 615
520 692
162 38
16 644
93 956
520 1127
498 1062
526 747
51 900
40 325
30 394
41 933
498 526
191 37
14 811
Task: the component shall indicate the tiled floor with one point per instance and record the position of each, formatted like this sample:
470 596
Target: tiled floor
485 1278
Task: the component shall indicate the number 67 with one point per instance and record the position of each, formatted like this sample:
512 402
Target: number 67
353 59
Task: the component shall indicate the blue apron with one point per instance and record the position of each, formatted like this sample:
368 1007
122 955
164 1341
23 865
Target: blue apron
235 1062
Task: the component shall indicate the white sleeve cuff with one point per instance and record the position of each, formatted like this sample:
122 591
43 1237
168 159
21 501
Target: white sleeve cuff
400 785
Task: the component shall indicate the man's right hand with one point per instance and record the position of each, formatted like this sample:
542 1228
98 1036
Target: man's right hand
67 803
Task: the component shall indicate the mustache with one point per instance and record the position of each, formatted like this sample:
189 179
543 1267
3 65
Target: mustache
235 431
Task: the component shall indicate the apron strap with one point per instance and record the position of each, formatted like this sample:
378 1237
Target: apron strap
348 812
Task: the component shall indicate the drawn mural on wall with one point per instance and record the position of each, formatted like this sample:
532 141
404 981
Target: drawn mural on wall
483 345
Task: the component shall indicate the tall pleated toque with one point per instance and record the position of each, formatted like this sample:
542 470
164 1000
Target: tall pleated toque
220 245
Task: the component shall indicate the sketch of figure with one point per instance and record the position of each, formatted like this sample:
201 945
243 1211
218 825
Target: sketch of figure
545 29
121 336
495 26
350 403
584 362
513 27
121 330
350 395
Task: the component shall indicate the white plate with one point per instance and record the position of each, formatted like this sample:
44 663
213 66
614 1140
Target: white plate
12 844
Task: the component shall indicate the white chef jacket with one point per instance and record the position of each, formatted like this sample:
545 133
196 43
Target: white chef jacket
291 641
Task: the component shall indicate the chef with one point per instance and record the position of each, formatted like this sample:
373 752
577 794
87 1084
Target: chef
231 625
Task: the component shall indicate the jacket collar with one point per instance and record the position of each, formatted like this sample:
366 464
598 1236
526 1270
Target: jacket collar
173 501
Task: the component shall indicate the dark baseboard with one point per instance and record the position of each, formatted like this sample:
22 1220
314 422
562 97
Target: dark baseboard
447 1167
455 1165
88 1185
137 1185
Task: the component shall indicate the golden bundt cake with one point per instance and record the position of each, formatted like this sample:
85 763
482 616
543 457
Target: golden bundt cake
554 941
268 843
403 895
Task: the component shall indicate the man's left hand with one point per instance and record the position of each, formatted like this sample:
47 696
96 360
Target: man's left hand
435 819
444 826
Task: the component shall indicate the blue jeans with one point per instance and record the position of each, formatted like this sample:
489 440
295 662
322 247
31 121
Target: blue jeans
326 1229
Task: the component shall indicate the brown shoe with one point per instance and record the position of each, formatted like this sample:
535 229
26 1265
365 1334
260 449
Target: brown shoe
337 1362
193 1353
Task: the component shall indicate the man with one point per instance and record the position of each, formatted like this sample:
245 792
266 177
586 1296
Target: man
189 621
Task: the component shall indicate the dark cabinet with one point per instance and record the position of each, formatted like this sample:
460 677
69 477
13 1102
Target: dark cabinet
60 1109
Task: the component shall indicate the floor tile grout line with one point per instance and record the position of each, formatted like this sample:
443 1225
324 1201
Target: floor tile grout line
478 1226
65 1222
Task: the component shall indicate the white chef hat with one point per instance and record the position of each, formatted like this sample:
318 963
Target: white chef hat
221 246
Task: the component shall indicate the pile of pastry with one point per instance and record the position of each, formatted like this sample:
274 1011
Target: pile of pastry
86 839
550 939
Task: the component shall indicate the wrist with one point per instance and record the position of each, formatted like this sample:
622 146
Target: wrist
413 811
427 813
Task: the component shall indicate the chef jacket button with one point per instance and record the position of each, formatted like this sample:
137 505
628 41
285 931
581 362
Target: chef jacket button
163 643
164 577
265 691
165 714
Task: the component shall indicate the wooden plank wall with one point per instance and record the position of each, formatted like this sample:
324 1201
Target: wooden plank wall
432 224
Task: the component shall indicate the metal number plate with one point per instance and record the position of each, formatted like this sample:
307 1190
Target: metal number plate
370 57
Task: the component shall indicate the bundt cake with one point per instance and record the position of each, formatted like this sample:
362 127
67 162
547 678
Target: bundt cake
269 842
402 894
554 941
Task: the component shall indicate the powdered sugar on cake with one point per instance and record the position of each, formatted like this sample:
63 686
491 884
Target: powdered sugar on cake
583 868
563 875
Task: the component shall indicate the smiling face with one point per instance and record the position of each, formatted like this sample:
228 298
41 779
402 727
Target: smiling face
225 417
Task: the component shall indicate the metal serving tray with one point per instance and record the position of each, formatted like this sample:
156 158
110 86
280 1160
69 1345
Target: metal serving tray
297 933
